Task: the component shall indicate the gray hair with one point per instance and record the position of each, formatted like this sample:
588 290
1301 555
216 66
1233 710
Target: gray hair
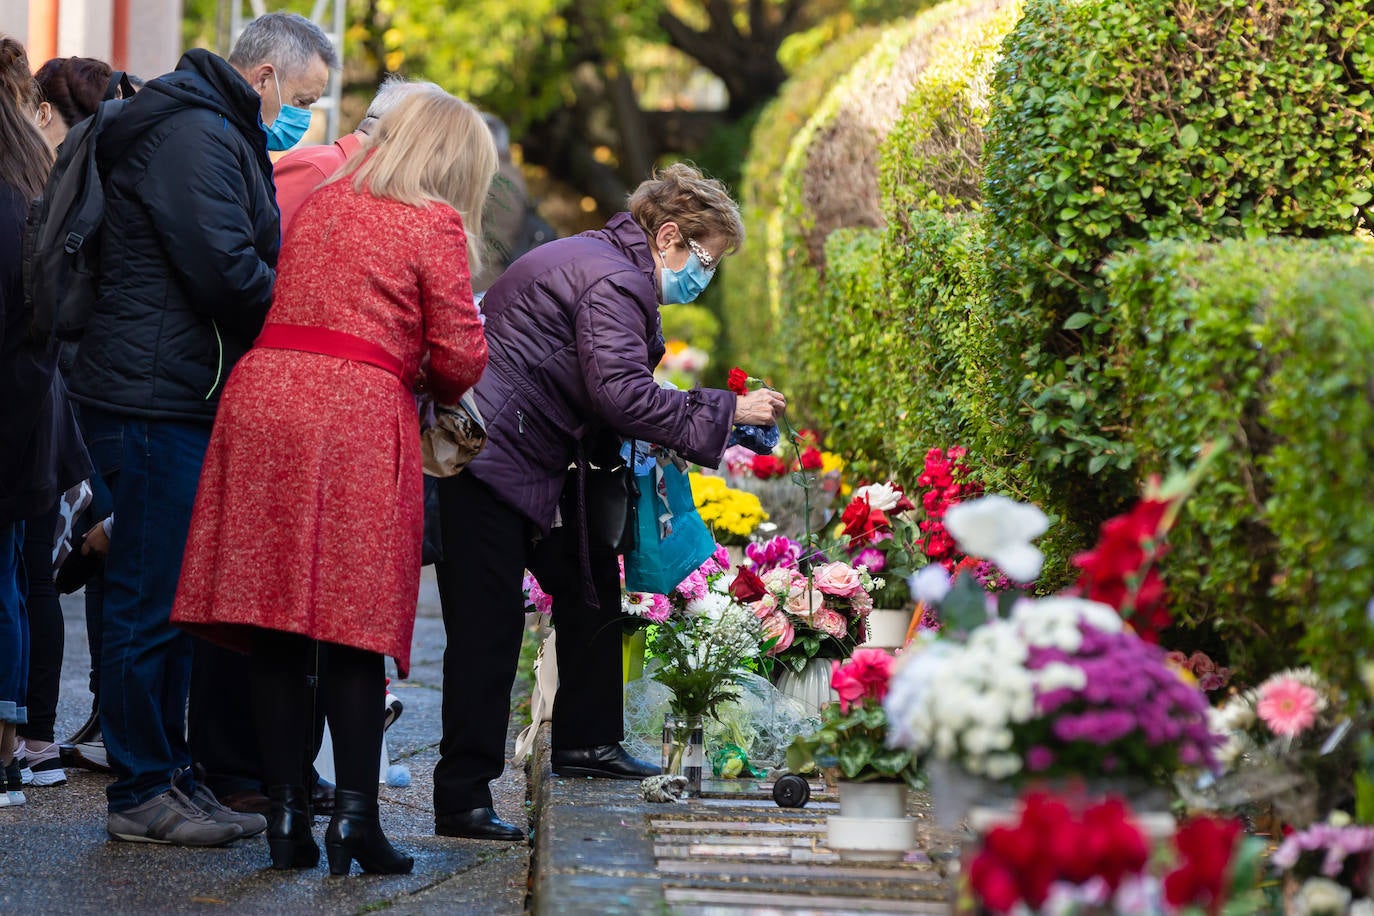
393 89
500 133
287 41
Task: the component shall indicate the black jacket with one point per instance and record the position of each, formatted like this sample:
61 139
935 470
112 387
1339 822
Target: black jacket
188 247
41 453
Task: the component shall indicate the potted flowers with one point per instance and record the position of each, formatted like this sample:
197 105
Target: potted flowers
807 621
873 778
699 652
1071 854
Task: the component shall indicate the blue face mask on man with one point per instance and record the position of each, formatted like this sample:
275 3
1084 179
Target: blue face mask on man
291 123
687 282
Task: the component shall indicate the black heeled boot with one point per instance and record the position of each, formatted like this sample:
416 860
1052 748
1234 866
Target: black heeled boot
355 833
288 829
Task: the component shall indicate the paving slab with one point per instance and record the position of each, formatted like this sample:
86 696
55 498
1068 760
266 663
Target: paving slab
600 848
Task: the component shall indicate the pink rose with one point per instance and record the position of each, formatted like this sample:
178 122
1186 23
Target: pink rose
864 677
839 579
776 625
802 601
830 623
764 606
693 587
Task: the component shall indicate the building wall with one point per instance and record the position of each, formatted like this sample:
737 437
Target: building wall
141 36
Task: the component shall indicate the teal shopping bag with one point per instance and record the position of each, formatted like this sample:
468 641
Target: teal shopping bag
673 541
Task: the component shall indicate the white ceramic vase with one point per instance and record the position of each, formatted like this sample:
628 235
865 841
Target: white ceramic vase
872 825
810 687
887 628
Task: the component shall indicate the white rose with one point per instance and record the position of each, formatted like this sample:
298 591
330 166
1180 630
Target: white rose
1363 907
1001 530
881 496
1321 897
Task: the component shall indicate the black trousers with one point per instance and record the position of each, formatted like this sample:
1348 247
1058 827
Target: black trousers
487 547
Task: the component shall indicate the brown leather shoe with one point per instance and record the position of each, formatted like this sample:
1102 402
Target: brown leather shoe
249 801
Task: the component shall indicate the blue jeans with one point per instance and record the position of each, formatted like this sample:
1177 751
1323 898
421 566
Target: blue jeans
14 626
145 663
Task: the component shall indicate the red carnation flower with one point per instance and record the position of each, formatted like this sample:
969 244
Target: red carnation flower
767 466
738 381
811 459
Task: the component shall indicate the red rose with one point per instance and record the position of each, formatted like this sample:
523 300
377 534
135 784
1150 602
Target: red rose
993 884
747 587
811 459
1205 846
861 522
766 466
738 381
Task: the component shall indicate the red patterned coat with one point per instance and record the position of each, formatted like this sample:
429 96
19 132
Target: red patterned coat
309 514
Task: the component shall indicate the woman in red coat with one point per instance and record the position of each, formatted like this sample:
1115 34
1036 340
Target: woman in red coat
307 523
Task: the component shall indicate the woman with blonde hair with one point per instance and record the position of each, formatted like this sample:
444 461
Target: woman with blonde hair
307 523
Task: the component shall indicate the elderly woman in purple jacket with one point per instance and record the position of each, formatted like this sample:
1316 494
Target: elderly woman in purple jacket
574 333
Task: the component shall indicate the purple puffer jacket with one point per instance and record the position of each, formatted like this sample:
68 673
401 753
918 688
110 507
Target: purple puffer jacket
573 332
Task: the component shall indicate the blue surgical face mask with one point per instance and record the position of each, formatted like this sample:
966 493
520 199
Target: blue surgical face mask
685 283
291 123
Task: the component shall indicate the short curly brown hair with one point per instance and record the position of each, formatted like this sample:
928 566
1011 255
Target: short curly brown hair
699 205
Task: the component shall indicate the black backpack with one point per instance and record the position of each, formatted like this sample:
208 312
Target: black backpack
61 254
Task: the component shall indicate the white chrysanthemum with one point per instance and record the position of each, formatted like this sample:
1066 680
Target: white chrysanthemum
930 585
1321 897
1363 907
711 606
1001 530
1061 676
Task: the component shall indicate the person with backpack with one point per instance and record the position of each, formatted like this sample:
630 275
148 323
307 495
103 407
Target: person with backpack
70 89
43 454
187 254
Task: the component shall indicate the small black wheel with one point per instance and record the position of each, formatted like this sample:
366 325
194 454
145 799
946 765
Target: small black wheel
791 791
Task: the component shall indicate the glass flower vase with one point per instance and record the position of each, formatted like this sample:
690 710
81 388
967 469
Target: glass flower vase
684 751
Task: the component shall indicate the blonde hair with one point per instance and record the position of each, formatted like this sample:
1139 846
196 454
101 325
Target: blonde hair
430 148
699 205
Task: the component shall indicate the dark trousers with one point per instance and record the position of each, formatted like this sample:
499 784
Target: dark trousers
145 661
220 726
47 632
104 442
487 547
286 708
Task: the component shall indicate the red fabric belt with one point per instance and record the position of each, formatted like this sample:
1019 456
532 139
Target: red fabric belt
328 343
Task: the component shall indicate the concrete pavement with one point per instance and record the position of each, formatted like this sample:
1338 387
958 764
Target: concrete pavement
55 856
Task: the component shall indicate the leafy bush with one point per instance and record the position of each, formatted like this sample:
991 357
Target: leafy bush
1267 343
750 327
932 158
1117 122
830 177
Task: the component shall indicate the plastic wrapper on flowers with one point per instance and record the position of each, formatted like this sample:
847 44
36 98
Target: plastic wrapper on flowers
761 721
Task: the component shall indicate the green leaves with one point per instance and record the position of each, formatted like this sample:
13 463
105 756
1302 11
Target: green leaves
852 742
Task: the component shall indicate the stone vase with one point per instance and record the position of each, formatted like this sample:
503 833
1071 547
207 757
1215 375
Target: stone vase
887 628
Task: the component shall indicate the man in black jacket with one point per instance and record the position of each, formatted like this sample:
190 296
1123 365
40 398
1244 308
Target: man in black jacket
189 247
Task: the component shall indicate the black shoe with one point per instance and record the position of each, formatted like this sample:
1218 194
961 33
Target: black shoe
288 829
355 833
606 761
477 824
322 798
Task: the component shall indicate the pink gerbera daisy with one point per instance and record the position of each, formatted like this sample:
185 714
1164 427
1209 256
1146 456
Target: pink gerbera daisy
1287 706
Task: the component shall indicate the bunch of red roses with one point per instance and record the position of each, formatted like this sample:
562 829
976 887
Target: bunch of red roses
1053 843
1122 570
945 480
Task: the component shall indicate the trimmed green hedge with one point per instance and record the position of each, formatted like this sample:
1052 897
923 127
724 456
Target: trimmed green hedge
830 177
1117 122
1268 343
750 326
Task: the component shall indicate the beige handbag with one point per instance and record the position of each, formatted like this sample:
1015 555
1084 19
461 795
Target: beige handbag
453 437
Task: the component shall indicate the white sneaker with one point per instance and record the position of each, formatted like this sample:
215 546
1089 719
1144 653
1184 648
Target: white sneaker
45 766
11 799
